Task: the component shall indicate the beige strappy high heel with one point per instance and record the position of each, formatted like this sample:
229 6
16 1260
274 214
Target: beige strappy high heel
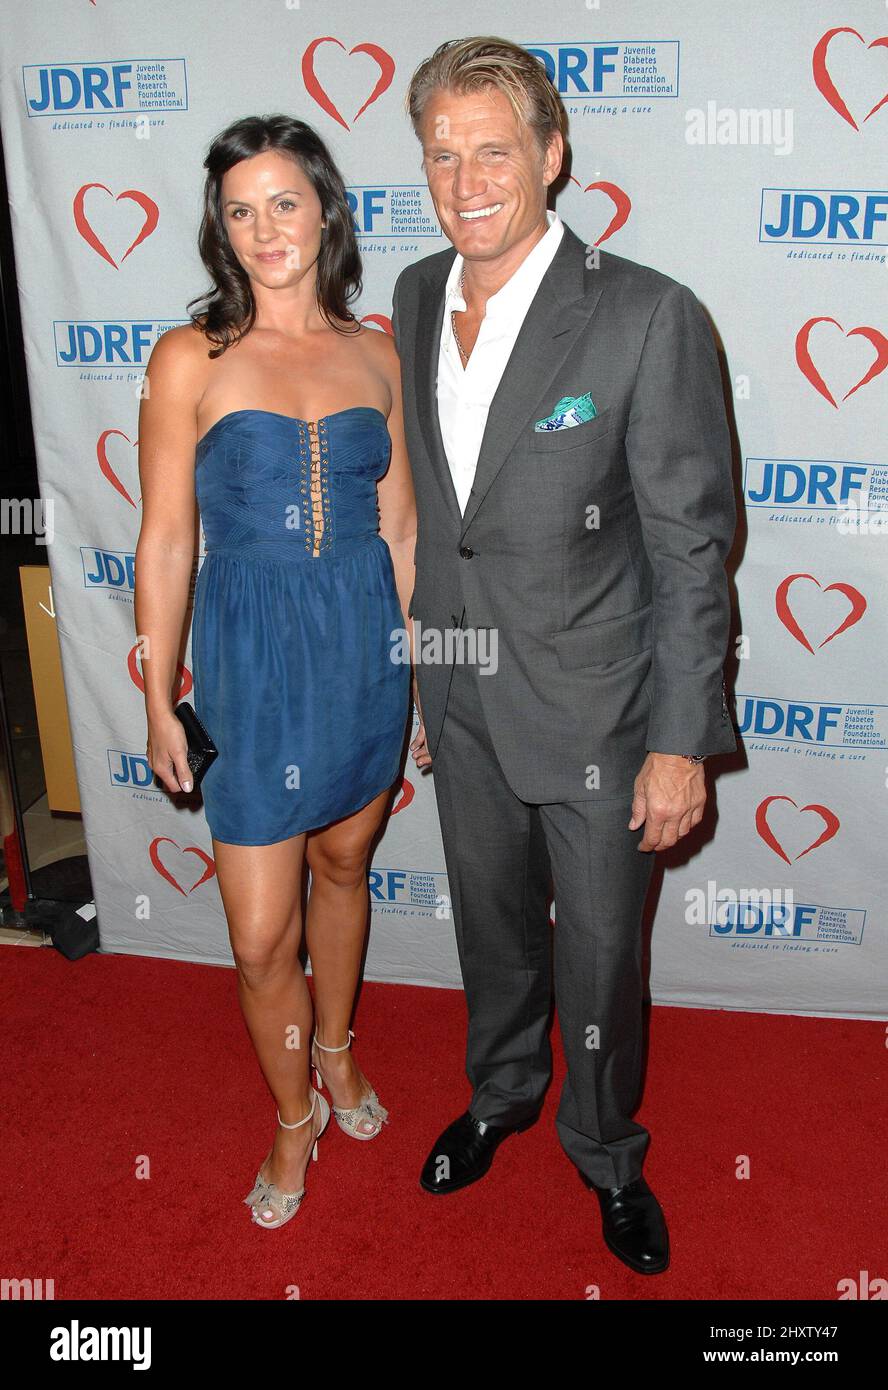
368 1109
266 1195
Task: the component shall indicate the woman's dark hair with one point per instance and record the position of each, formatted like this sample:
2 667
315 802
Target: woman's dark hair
228 310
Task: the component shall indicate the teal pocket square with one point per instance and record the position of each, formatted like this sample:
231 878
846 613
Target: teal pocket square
570 410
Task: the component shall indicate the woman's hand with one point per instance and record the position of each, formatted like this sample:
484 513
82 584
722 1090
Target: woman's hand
419 748
168 752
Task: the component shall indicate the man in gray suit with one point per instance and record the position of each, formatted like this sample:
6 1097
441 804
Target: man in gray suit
566 428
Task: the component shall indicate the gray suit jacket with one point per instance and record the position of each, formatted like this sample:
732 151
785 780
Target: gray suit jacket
612 626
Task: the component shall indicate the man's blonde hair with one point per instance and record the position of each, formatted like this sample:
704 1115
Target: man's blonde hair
470 65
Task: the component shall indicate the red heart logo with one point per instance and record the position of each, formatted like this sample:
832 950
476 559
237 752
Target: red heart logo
182 672
807 368
105 465
621 201
405 796
385 62
154 851
824 82
829 818
81 222
856 608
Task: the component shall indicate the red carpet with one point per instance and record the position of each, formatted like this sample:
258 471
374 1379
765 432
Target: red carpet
114 1057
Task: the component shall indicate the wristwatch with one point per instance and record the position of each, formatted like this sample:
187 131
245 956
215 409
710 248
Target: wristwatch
694 757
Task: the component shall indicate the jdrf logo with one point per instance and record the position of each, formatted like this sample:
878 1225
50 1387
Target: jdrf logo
129 769
820 483
750 919
788 720
829 216
616 69
108 569
106 344
819 725
410 887
132 84
800 922
403 210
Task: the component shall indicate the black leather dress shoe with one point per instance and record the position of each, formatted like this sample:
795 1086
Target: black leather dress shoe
634 1226
463 1153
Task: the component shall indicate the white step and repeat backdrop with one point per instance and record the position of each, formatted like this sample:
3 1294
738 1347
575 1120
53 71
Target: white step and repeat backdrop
739 148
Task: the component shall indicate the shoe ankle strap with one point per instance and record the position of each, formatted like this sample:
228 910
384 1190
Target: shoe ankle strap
343 1048
300 1123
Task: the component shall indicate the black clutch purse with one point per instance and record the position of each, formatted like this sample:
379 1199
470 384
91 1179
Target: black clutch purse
201 748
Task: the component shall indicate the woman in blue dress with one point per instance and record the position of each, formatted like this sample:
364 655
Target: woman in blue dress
280 414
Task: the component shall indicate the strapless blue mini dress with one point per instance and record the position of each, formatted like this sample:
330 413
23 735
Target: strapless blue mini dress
295 623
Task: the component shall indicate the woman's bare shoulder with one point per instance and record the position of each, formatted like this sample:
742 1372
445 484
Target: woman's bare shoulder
183 345
381 344
179 363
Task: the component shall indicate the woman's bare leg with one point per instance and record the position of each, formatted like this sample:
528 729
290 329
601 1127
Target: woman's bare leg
261 894
335 930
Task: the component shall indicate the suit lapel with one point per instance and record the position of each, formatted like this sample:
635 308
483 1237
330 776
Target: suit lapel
558 314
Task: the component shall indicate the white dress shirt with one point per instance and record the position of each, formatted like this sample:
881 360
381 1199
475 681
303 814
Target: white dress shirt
464 393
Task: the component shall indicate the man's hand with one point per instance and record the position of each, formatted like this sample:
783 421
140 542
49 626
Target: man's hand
670 794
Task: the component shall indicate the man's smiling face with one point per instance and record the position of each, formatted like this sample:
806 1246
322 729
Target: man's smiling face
486 172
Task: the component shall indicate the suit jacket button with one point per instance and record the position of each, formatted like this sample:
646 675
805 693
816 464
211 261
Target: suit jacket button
466 552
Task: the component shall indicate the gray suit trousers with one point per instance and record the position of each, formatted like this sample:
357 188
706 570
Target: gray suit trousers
502 853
